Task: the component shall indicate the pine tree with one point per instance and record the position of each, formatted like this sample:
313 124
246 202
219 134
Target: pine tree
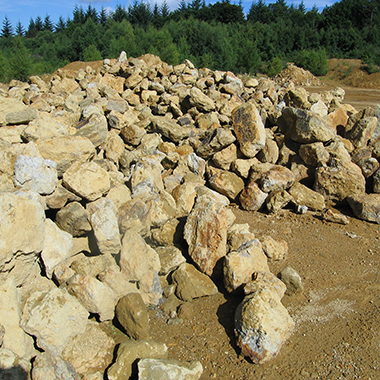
39 24
103 17
32 31
60 25
7 30
20 31
20 62
48 25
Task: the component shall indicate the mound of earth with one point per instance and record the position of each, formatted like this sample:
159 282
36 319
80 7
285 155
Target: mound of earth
298 76
351 72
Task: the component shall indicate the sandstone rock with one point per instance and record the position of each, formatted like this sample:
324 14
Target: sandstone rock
66 150
242 167
7 104
225 157
94 295
276 179
362 131
340 180
150 288
333 217
168 233
191 283
21 117
376 181
184 195
36 174
292 280
238 235
227 183
305 127
304 196
200 100
166 369
103 219
94 128
262 280
87 180
252 198
132 134
59 197
89 351
14 338
132 314
297 97
274 249
54 318
48 365
113 277
249 129
170 129
314 153
215 141
136 257
135 214
270 153
46 127
262 325
12 367
319 108
22 231
58 247
73 218
170 258
127 354
206 232
366 206
119 195
239 265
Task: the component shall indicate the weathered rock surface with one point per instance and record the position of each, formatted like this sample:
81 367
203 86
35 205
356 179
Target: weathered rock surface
87 180
54 318
262 324
132 314
127 354
166 369
36 174
366 207
103 219
249 129
58 247
190 283
292 280
206 231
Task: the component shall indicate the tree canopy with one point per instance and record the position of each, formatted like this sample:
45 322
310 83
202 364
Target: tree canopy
217 35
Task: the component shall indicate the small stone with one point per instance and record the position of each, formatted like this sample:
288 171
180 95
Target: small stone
132 314
292 280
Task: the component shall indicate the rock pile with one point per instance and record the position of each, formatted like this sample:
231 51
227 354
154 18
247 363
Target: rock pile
114 196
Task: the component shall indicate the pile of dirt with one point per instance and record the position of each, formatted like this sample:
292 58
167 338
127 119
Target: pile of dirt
298 76
351 72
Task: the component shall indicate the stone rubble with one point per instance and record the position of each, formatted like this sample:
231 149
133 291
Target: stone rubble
116 188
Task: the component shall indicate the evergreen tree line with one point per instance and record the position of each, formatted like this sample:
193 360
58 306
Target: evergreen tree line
219 36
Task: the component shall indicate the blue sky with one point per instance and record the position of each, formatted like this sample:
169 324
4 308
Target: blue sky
23 10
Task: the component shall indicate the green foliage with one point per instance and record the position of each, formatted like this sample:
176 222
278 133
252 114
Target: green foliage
91 53
314 61
20 63
217 35
275 67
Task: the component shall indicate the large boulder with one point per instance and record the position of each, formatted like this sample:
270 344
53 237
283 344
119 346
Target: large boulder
249 129
206 231
305 127
262 323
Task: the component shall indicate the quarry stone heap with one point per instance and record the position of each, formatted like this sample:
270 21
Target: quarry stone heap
115 194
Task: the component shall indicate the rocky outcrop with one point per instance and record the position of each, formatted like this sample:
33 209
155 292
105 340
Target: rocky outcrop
129 186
